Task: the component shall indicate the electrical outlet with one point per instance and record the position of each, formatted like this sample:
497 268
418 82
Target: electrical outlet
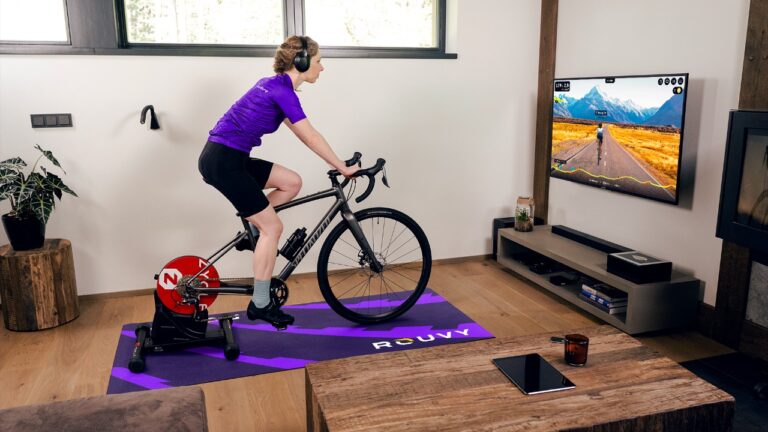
51 120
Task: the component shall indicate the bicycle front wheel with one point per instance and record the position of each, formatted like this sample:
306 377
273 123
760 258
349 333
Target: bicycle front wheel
353 289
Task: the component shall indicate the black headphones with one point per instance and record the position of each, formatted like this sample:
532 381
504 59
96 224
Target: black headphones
301 61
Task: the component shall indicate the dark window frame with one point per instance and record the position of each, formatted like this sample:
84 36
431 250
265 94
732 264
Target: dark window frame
97 27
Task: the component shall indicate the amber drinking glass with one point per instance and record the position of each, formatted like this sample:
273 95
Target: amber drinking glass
576 347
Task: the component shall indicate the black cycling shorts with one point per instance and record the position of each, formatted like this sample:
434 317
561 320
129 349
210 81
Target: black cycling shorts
236 175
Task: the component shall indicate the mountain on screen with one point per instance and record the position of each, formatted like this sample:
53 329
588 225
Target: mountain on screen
670 114
626 111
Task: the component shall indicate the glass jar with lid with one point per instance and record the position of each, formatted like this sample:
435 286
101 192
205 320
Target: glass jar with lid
524 214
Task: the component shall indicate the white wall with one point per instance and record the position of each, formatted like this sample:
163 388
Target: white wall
457 136
703 37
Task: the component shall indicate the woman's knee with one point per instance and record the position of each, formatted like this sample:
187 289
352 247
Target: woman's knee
284 180
268 223
294 184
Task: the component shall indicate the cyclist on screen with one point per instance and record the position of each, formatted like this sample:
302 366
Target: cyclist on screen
600 133
225 161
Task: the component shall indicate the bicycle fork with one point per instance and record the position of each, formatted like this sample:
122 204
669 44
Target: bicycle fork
357 232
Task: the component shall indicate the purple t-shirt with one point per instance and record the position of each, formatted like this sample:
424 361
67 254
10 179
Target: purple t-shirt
258 112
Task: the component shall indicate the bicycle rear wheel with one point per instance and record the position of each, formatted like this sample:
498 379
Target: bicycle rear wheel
353 289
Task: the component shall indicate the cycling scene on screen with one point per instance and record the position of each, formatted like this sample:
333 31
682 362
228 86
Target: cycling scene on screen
622 133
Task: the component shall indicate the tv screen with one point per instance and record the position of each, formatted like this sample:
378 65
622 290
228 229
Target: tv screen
620 133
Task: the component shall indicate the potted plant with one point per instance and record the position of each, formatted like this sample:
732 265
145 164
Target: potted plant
32 199
524 214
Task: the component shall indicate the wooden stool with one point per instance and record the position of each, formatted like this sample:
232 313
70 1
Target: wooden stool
38 286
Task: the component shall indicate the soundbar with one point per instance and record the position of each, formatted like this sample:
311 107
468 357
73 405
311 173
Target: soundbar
586 239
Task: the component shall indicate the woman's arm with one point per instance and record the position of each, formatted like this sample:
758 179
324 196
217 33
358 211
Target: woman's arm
317 143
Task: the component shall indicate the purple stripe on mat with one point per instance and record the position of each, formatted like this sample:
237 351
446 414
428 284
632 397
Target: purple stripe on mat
275 362
140 379
426 298
463 331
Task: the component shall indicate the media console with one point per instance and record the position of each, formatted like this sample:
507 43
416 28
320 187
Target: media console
650 307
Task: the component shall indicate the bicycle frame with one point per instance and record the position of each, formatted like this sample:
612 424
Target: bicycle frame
340 205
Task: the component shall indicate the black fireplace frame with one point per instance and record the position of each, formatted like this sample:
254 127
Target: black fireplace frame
741 124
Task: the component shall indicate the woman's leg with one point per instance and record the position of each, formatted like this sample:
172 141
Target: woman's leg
270 228
261 305
286 183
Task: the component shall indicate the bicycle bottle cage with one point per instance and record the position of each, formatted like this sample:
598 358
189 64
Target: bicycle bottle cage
293 244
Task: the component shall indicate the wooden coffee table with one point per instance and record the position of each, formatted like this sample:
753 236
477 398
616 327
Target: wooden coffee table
625 386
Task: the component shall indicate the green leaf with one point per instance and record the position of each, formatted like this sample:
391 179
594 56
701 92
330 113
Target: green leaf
41 205
49 156
36 181
22 195
9 177
9 189
13 164
58 186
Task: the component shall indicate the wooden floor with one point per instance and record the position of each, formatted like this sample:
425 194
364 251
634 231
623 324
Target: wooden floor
75 360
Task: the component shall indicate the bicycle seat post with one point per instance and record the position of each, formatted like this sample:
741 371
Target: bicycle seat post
248 231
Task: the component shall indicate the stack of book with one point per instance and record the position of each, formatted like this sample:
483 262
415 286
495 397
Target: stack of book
604 297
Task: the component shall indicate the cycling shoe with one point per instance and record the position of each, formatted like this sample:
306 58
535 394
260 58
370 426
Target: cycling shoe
271 313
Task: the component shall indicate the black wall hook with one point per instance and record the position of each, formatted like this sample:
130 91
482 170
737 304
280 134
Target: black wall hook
153 124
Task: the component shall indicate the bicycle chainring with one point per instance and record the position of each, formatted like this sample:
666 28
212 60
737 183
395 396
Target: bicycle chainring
279 291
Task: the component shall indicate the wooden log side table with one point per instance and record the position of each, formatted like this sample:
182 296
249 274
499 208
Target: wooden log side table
38 286
625 386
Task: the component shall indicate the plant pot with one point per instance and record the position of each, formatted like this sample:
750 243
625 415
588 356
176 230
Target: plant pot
24 233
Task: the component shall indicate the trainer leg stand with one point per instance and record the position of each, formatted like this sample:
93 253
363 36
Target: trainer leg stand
172 331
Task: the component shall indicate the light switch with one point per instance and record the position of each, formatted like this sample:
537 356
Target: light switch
51 120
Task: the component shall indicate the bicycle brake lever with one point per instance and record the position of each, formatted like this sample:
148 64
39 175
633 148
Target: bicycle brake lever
384 178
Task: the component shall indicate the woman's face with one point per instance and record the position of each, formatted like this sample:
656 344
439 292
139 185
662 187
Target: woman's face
315 67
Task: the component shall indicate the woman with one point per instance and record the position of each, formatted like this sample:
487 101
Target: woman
225 162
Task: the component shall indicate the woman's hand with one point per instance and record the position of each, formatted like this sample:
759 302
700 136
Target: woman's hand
348 172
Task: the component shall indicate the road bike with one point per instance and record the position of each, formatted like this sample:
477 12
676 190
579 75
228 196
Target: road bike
373 267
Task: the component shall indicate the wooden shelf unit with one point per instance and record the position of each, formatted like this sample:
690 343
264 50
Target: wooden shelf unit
650 307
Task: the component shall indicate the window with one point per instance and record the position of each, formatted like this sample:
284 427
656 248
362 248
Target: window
33 21
226 22
373 23
253 28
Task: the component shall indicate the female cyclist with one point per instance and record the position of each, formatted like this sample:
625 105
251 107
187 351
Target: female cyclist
225 162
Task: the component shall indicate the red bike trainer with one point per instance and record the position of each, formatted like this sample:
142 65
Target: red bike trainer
171 275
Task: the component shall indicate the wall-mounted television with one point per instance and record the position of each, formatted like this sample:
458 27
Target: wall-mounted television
621 133
743 215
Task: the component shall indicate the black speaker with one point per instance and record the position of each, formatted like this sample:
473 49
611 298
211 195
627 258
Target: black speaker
639 267
588 240
499 223
301 61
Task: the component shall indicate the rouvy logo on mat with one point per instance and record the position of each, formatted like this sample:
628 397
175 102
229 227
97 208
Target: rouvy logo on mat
419 339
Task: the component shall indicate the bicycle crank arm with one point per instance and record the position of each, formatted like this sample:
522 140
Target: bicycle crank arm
231 289
222 317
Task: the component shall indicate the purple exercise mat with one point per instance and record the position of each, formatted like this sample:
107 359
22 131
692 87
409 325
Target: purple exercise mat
318 334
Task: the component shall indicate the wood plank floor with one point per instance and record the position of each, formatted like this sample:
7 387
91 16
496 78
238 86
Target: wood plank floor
75 360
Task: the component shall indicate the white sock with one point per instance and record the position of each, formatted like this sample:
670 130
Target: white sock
260 293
